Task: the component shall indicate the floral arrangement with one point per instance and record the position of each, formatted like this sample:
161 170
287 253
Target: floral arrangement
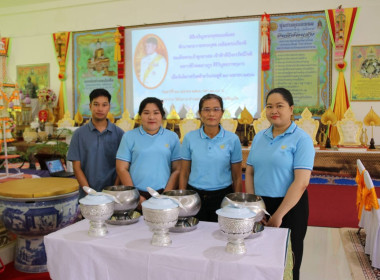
46 96
11 123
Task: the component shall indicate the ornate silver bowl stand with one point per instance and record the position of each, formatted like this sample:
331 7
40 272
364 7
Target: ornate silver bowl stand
159 221
97 214
236 230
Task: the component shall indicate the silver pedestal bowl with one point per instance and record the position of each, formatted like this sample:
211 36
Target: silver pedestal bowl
97 209
236 224
253 202
160 214
192 204
124 213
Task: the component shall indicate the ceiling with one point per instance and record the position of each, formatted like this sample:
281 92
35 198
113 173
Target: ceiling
18 3
11 7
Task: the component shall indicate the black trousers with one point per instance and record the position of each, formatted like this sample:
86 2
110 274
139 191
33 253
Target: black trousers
296 220
210 202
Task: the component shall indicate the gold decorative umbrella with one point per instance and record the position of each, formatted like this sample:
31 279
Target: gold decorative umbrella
372 119
173 118
328 118
78 118
245 118
137 118
111 117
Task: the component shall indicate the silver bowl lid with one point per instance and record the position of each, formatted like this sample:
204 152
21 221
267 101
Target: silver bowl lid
159 203
230 211
91 199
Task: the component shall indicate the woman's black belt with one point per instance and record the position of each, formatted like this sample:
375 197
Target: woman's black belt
204 192
147 195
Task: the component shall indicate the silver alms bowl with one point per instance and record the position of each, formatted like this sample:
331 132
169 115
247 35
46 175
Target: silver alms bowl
97 214
128 196
236 230
189 199
161 219
253 202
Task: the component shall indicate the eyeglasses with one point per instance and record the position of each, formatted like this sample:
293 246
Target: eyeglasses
209 110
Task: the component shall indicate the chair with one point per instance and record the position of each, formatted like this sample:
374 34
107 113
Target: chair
187 125
371 220
261 123
229 124
126 123
308 124
369 194
360 166
349 129
67 121
359 192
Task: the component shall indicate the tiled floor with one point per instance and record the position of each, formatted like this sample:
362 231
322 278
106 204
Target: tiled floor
324 257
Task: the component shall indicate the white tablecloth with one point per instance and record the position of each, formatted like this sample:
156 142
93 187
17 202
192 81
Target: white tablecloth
126 253
370 221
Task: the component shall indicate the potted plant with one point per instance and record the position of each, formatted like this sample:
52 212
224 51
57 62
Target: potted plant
51 148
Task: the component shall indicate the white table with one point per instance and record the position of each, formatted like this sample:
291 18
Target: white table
126 253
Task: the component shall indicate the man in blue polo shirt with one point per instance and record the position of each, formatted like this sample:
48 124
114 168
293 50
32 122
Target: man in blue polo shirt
93 146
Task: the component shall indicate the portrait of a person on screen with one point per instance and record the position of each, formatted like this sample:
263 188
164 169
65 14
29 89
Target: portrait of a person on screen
153 65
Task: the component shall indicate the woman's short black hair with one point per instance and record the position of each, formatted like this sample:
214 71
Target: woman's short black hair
208 97
154 100
100 92
285 94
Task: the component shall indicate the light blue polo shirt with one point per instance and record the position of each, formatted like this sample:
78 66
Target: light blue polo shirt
96 152
150 156
211 159
274 160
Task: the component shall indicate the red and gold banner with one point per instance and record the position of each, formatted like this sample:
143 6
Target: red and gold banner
119 51
61 44
5 42
43 115
341 24
265 42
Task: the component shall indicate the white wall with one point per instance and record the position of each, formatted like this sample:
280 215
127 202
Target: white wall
31 26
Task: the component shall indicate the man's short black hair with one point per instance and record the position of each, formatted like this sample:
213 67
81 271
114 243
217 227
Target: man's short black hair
100 92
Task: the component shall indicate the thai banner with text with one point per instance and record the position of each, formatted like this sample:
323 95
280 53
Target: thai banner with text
300 60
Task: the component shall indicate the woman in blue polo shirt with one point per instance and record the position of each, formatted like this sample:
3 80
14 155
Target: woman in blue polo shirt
149 155
278 169
211 159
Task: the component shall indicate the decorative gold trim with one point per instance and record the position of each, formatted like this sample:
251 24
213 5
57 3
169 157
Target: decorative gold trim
67 121
349 125
187 125
262 122
126 123
229 124
308 124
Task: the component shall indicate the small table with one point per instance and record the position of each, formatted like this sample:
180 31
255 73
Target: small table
126 252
